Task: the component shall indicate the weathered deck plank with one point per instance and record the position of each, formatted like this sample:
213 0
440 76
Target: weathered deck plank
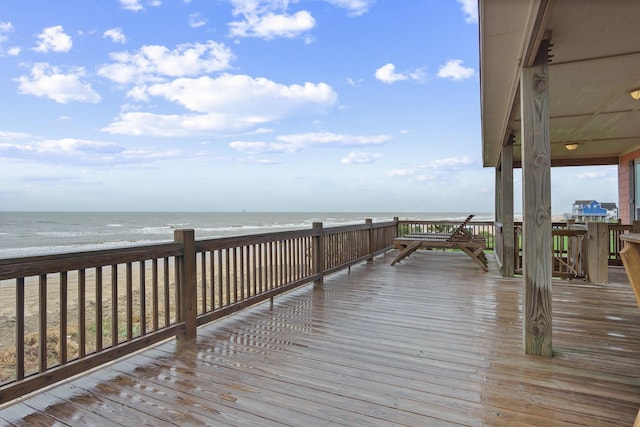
428 342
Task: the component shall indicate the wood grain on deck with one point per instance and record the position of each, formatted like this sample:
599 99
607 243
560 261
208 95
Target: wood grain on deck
429 342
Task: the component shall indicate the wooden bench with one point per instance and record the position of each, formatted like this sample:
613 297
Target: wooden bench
460 238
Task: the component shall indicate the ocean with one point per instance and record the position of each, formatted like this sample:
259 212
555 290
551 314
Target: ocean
41 233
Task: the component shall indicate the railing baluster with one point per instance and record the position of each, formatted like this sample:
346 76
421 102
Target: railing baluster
143 298
242 277
129 285
177 274
99 319
212 277
42 327
219 282
82 326
154 294
114 305
203 280
20 328
167 301
234 260
63 316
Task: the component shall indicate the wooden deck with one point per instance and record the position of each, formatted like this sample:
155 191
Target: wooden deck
431 341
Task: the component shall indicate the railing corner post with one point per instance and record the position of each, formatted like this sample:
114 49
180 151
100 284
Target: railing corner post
318 254
187 292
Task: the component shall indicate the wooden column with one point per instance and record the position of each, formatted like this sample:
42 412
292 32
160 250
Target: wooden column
506 216
536 200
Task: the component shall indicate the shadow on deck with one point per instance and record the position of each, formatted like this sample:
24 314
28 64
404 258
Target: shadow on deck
430 341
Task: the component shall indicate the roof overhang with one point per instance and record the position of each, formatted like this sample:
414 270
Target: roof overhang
594 64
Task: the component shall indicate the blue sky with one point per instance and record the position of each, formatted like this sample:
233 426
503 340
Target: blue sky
260 105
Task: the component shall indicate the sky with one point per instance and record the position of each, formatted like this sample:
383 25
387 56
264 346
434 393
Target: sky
256 105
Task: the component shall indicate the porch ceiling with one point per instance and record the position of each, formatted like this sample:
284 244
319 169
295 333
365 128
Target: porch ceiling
595 64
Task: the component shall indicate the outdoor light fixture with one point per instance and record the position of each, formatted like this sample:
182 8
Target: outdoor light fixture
571 146
635 94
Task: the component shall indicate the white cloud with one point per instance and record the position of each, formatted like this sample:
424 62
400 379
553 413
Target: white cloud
180 125
53 39
47 81
451 163
78 151
355 7
244 95
155 63
387 74
131 5
297 142
399 172
268 19
360 157
436 168
136 5
5 27
13 136
116 35
196 20
270 25
453 69
470 10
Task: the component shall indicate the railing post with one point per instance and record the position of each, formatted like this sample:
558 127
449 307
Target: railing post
597 261
187 292
318 254
369 222
635 227
396 219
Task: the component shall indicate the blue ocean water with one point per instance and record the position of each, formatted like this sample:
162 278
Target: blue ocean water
39 233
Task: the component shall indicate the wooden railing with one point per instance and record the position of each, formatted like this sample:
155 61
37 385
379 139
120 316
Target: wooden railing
569 249
76 311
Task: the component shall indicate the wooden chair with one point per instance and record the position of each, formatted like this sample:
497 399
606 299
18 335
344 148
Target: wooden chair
460 238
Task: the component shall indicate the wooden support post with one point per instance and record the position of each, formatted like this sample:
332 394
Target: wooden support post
597 265
318 254
187 291
508 247
536 196
635 227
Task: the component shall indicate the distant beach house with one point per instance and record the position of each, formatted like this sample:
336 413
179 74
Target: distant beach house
592 210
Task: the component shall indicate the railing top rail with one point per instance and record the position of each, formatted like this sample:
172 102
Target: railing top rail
43 264
253 239
355 227
442 221
569 232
